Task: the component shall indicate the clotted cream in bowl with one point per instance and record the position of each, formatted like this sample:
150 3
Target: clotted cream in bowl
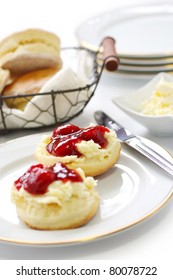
151 105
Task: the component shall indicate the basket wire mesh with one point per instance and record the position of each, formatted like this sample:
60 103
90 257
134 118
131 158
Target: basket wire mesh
52 112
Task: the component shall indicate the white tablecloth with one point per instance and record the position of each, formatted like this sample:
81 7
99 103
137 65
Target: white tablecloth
148 240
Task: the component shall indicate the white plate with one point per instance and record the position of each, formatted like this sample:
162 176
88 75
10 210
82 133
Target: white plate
140 31
135 74
145 68
161 62
130 192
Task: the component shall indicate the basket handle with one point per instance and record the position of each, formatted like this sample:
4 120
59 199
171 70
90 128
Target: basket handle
109 54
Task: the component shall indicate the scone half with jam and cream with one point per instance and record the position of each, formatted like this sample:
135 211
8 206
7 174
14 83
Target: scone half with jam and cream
55 197
95 149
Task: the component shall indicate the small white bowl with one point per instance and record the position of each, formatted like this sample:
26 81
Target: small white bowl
131 104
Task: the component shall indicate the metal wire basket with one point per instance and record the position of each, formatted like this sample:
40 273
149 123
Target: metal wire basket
56 107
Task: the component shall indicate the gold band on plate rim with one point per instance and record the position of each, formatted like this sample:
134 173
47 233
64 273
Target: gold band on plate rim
94 237
129 56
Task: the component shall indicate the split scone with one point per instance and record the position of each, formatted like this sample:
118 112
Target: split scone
30 50
55 197
95 149
27 84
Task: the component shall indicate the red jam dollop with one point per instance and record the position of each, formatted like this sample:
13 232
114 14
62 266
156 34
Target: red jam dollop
64 139
38 177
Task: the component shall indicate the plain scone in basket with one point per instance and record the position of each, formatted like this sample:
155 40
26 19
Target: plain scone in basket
74 85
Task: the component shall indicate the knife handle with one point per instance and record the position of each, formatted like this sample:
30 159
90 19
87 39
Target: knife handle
109 54
145 149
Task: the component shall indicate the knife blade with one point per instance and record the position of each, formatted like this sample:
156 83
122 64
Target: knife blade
136 142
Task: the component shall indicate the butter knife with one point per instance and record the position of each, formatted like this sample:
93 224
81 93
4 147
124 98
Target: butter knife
136 142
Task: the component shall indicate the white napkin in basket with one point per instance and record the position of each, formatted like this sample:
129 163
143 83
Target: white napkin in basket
39 111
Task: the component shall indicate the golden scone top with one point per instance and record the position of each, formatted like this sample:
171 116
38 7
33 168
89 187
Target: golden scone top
29 50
